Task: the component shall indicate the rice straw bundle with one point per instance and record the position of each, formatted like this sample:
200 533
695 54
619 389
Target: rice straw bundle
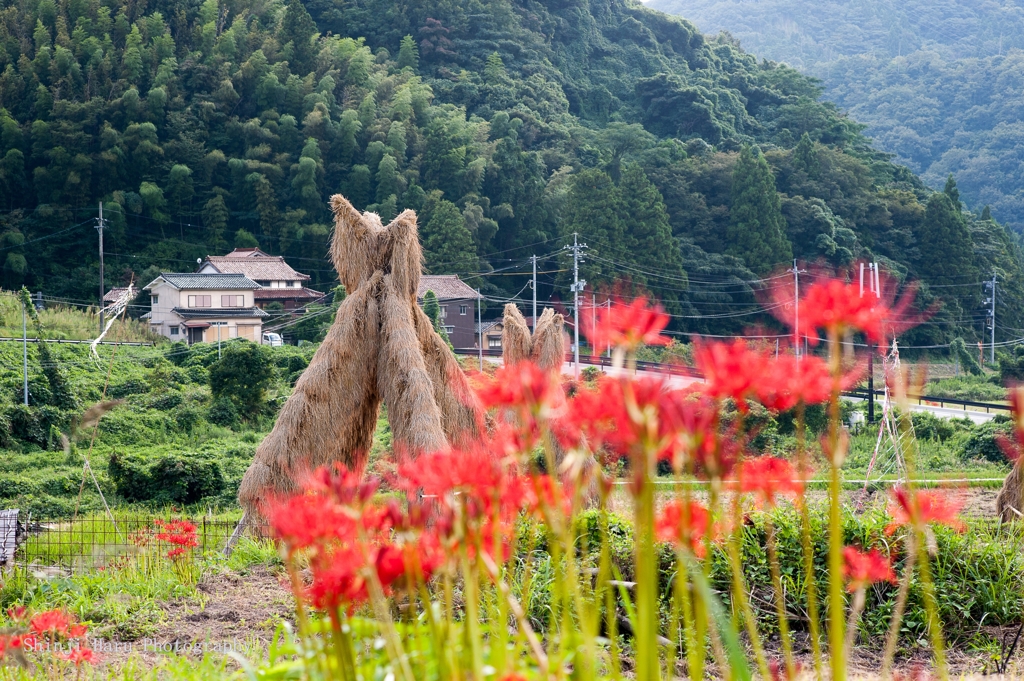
549 340
332 413
516 343
462 415
402 377
1010 501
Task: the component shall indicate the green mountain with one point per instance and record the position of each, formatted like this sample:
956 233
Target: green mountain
687 165
937 82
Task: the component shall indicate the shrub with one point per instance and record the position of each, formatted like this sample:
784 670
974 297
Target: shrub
169 478
928 426
1011 365
243 375
222 413
133 386
982 442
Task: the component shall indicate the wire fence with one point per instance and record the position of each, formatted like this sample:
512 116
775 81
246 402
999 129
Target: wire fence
97 541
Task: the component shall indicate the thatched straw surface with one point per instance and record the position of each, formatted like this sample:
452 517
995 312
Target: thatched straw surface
332 413
402 377
462 416
549 341
516 344
354 243
1010 500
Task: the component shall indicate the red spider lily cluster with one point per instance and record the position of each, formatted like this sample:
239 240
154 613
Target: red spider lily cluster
921 508
180 534
626 326
462 504
862 569
49 631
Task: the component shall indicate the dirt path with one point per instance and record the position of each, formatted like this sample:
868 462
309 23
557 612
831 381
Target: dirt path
236 613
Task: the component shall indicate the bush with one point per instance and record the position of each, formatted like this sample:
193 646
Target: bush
1011 365
133 386
982 442
928 426
222 413
169 478
243 375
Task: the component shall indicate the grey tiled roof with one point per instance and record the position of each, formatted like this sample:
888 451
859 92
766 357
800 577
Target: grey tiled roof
192 281
446 287
213 312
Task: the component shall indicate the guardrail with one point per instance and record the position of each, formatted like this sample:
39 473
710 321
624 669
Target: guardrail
75 342
683 370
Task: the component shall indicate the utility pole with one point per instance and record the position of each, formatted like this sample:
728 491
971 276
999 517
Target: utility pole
533 324
480 333
992 320
99 227
874 286
24 348
577 286
796 307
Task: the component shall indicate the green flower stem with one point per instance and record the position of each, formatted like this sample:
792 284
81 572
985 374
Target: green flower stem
931 607
813 615
836 602
901 603
780 598
739 589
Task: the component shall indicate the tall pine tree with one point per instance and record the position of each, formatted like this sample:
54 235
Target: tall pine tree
593 209
649 236
757 229
945 247
448 246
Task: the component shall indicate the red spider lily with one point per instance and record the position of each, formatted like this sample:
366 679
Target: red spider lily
731 370
837 306
473 471
53 622
930 507
338 581
807 380
306 519
768 477
4 643
670 527
78 631
626 326
624 415
543 494
523 386
534 396
17 613
178 532
864 569
80 655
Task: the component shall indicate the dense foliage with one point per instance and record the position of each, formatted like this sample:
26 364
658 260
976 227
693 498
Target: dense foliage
508 124
938 83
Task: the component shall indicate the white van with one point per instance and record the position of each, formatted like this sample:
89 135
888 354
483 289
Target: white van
273 340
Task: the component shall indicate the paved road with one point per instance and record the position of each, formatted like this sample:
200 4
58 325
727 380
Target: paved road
977 416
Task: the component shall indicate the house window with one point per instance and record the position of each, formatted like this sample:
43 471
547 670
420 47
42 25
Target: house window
449 329
174 331
494 342
154 299
200 301
463 309
232 301
444 311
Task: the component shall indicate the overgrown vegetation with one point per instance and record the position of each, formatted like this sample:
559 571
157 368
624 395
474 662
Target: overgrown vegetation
921 75
507 124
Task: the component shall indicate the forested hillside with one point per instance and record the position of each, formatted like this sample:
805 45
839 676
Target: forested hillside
938 83
686 164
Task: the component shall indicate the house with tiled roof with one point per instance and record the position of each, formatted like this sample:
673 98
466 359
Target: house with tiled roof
278 281
458 301
203 307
